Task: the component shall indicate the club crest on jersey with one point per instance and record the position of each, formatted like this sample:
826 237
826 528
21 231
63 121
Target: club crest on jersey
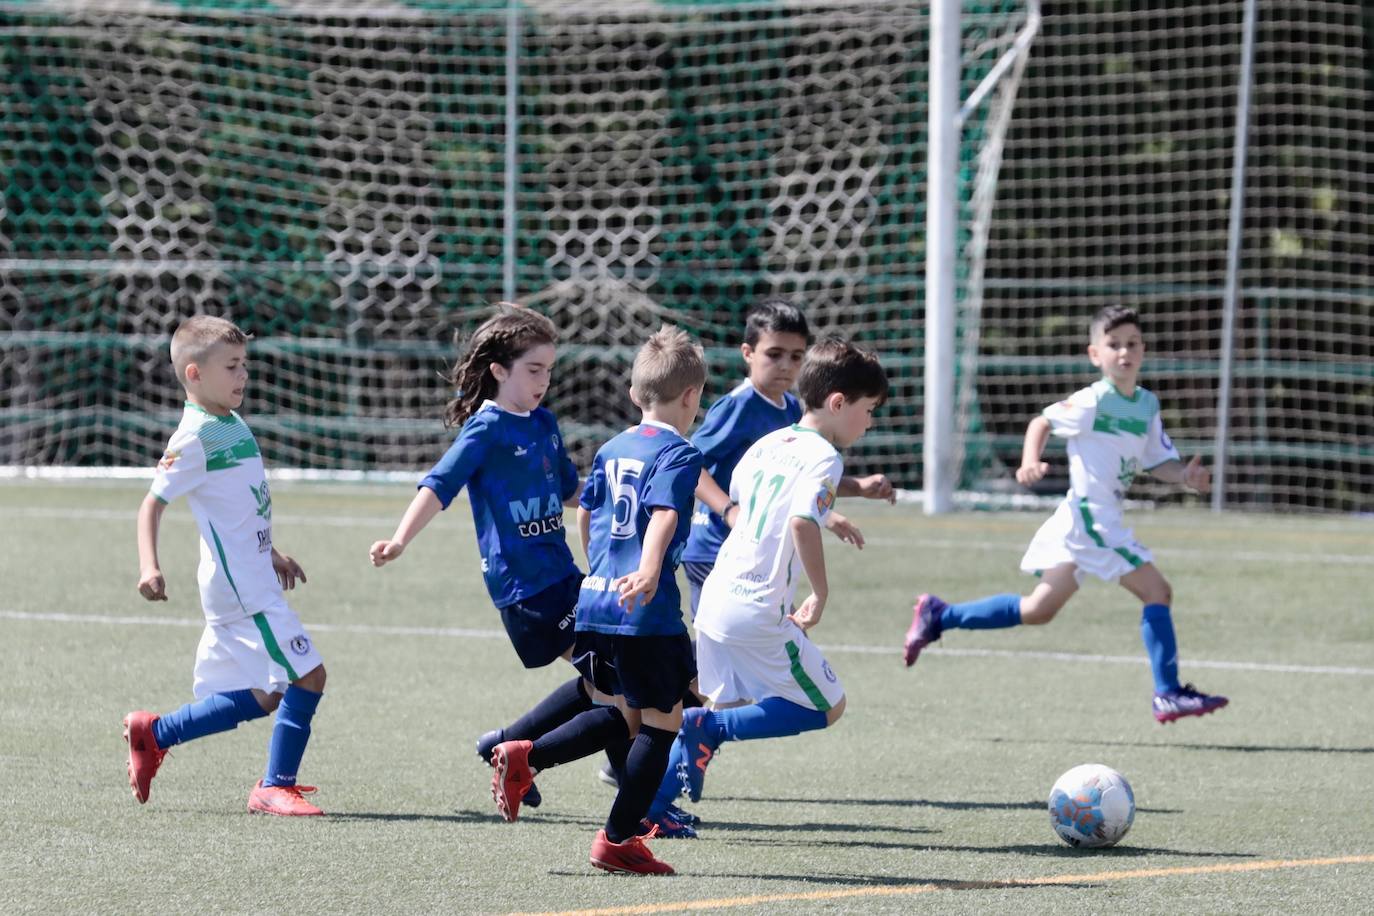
300 644
825 498
264 500
828 672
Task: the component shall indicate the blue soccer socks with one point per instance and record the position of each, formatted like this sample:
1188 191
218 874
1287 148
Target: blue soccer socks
992 613
770 718
289 735
1157 630
220 712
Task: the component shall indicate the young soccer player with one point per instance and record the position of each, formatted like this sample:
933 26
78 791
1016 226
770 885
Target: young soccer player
776 336
511 457
254 656
632 643
1114 431
752 646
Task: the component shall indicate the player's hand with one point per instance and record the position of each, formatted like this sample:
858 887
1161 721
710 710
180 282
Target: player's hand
877 486
809 614
152 586
637 585
287 570
383 552
1197 477
845 530
1028 474
731 515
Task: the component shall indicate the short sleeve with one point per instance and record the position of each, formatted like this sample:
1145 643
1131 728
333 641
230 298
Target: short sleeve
595 489
567 471
461 461
717 436
673 483
1159 448
814 495
1075 415
181 468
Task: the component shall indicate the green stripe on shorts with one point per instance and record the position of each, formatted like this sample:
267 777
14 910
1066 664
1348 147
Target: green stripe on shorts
1097 539
273 649
813 693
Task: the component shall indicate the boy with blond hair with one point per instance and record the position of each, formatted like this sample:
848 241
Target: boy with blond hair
631 642
254 656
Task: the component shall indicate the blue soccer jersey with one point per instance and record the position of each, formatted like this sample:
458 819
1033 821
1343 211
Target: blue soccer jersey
646 467
517 473
733 423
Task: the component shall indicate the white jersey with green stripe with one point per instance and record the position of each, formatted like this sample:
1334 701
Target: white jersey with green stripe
1111 438
215 463
790 473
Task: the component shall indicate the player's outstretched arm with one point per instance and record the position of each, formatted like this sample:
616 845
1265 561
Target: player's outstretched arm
1032 469
716 499
287 570
640 586
1191 475
844 529
151 585
807 536
421 510
874 486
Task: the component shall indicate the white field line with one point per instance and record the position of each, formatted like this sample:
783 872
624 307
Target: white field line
384 524
465 633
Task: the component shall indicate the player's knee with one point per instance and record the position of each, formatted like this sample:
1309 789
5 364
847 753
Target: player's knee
1166 593
1039 612
312 680
268 701
832 715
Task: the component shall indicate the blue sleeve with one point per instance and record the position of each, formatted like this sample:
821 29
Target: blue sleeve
593 492
461 461
673 483
717 437
567 471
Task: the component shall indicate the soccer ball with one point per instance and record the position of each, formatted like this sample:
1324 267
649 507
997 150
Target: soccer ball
1091 805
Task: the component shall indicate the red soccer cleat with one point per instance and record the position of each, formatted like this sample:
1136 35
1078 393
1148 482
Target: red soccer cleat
144 755
511 779
283 801
631 857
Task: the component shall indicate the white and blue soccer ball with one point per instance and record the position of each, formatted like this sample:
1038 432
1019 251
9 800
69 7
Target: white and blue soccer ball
1091 805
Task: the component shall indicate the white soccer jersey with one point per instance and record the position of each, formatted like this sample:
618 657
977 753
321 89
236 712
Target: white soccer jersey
215 463
1111 438
791 473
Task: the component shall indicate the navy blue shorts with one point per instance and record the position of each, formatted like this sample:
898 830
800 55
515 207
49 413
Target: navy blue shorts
650 672
696 575
541 626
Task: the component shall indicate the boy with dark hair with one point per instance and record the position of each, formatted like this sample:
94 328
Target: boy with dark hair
756 666
1114 431
631 643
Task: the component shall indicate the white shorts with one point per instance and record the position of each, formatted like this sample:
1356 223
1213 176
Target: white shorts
1073 534
266 651
792 668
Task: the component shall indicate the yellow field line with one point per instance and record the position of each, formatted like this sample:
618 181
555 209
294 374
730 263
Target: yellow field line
721 903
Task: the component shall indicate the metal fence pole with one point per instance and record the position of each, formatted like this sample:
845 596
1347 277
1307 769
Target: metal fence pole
512 179
1235 232
942 217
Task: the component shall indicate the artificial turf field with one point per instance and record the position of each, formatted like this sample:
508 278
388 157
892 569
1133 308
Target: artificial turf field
929 794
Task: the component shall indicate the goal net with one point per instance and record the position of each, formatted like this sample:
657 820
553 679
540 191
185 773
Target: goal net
331 176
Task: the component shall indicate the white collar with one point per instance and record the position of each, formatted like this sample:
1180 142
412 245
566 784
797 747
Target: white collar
515 413
780 405
661 425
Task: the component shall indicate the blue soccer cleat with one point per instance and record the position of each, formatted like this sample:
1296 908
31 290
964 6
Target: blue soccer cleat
925 627
668 827
700 748
486 744
682 816
1185 701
